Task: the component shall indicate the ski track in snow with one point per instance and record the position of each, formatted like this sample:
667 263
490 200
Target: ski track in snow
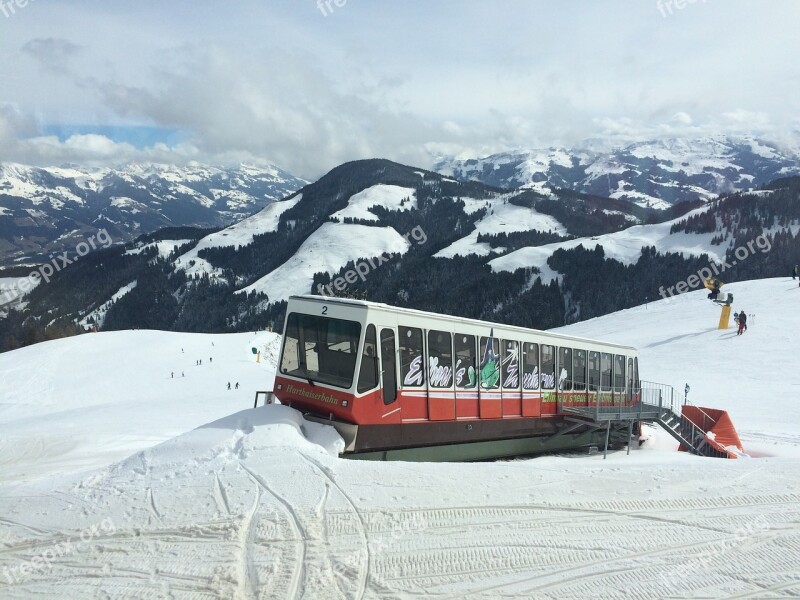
291 543
363 576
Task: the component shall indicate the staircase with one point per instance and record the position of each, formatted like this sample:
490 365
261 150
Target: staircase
690 437
698 430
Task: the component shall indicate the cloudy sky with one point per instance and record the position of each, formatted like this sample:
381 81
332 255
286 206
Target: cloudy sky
307 85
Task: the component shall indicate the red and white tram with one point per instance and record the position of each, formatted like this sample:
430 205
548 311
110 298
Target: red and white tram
410 385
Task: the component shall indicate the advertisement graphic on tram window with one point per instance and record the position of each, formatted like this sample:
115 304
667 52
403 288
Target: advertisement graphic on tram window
490 363
510 364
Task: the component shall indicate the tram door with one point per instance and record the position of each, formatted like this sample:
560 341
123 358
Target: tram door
441 394
388 366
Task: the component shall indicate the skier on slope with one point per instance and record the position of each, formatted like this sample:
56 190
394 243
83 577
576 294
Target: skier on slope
742 322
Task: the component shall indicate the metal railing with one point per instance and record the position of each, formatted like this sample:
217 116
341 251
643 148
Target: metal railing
651 400
661 395
607 401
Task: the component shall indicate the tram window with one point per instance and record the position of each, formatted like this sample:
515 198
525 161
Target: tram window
320 349
509 364
389 366
548 367
565 369
637 382
605 370
630 374
619 372
412 365
368 376
579 366
440 359
489 373
594 371
466 371
530 366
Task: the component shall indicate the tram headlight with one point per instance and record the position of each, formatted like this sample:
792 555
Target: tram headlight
344 403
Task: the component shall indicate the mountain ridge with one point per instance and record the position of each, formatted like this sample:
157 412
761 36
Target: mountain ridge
654 173
513 256
51 209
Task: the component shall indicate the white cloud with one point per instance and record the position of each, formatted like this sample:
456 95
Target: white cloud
285 84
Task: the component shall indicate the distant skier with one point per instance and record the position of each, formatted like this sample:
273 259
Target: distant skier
183 374
742 323
237 385
172 375
229 385
211 359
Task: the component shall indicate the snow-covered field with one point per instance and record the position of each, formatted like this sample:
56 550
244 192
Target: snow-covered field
624 246
390 197
238 234
502 218
118 481
327 250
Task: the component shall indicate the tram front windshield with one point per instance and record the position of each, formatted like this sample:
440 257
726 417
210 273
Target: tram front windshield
320 349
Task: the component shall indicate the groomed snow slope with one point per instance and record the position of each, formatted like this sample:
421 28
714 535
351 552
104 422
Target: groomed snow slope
624 246
327 250
389 197
238 234
247 507
86 401
503 217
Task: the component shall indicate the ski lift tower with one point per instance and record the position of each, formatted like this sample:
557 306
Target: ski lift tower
725 301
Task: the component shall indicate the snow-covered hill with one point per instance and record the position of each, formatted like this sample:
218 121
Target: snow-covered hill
254 504
86 401
624 246
654 173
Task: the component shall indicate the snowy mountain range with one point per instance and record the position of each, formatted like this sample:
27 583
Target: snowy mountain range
655 173
405 236
47 210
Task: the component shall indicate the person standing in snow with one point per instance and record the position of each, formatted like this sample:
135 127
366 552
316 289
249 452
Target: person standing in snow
794 272
172 375
229 385
742 323
237 385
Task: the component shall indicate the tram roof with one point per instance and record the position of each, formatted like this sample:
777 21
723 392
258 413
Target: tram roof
425 314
